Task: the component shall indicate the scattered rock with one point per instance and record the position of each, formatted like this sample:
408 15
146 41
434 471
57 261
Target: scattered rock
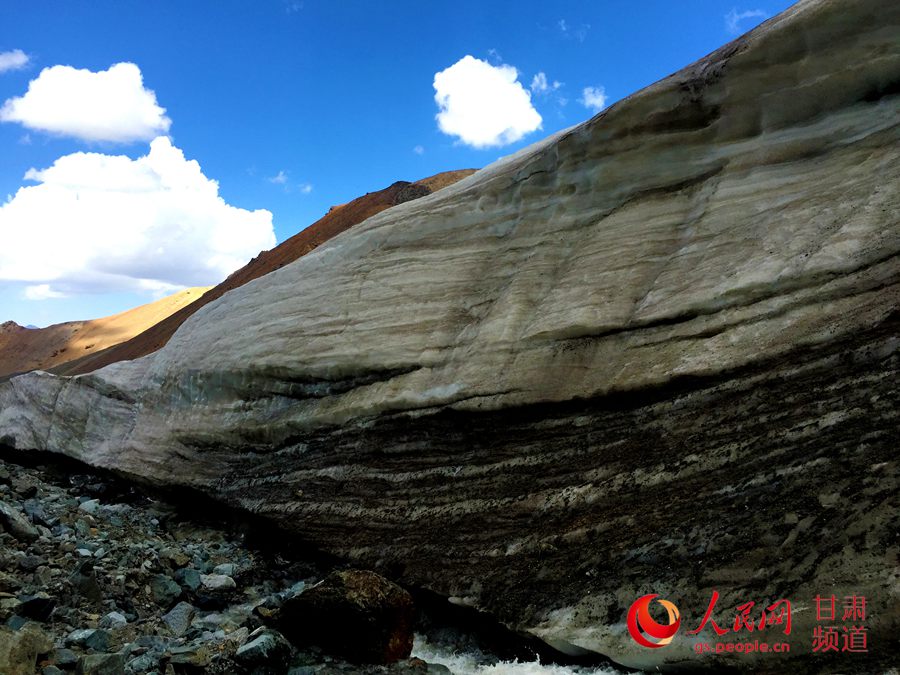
113 620
266 652
16 524
38 607
96 639
354 614
188 578
179 618
217 582
90 506
101 664
164 590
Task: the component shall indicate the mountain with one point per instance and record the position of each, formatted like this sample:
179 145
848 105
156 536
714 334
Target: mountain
338 219
655 353
31 348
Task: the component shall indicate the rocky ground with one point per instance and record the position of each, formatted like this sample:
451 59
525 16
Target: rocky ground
98 578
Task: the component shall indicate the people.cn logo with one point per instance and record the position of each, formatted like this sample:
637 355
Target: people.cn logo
642 626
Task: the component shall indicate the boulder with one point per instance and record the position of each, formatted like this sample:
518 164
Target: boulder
16 524
20 649
266 652
356 615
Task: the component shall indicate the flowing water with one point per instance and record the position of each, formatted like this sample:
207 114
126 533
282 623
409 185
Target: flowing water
469 660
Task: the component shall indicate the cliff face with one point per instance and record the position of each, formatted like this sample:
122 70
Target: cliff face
655 353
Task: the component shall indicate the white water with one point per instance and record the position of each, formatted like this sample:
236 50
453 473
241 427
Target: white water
472 661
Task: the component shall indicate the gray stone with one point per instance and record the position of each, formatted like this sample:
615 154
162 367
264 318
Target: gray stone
91 506
101 664
188 578
225 569
179 618
216 582
16 524
113 620
164 590
64 658
266 650
142 664
95 639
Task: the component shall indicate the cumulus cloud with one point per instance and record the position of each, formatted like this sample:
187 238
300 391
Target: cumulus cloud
97 222
593 98
41 292
734 18
279 179
305 188
483 105
540 84
13 60
111 105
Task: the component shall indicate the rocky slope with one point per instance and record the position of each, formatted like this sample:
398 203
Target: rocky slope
24 349
655 353
337 220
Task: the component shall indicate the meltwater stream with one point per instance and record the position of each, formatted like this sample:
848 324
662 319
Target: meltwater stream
470 660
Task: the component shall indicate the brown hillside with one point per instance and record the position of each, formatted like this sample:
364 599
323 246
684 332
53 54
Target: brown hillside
338 219
24 349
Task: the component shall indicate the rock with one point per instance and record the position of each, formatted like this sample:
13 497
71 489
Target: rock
144 663
195 654
113 620
38 514
179 618
64 658
225 569
638 342
51 670
101 664
216 582
266 652
357 615
164 590
84 582
95 639
19 650
188 578
38 607
90 506
16 524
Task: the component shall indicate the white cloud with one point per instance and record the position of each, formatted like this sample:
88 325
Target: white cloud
733 18
577 32
593 98
110 105
484 105
305 188
41 292
419 150
540 84
13 60
279 179
99 222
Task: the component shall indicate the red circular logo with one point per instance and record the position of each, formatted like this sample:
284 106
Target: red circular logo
642 626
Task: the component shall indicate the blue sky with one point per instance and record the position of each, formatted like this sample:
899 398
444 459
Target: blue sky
290 107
